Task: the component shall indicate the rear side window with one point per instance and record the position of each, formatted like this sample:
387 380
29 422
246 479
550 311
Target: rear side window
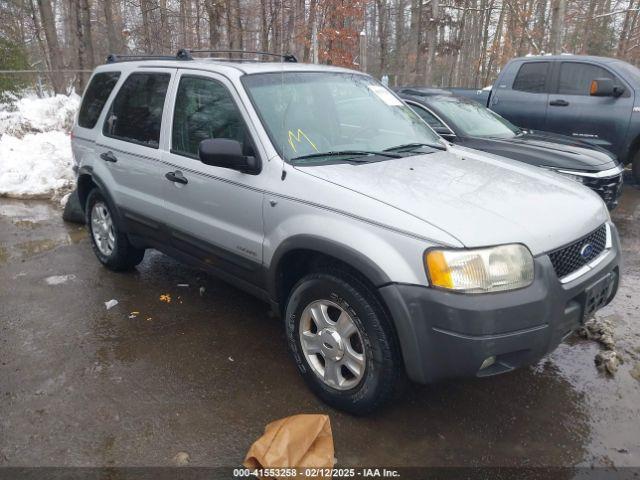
204 109
575 78
95 97
136 113
532 77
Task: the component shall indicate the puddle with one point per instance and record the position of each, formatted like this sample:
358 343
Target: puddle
34 227
32 212
33 247
76 234
27 224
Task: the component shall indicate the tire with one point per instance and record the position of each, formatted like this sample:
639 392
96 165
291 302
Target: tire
109 243
372 345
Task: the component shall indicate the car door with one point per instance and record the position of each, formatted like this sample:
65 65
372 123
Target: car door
572 111
524 102
128 146
214 214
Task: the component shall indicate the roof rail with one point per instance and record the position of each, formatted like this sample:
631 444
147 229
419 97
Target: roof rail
287 57
182 54
185 54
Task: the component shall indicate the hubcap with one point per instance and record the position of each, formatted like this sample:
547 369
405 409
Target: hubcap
332 344
102 228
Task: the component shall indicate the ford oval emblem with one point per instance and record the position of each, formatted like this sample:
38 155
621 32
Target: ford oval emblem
586 251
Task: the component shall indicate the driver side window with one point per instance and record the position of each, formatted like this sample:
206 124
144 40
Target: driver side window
204 109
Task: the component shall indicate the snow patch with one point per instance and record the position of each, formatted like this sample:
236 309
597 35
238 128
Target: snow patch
36 165
35 151
59 279
34 115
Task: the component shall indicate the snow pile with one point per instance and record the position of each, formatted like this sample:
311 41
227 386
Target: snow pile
33 115
35 151
36 165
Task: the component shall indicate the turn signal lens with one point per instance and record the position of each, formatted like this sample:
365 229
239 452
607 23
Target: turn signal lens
482 270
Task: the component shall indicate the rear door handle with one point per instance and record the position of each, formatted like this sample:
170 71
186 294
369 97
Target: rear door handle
176 177
108 157
559 103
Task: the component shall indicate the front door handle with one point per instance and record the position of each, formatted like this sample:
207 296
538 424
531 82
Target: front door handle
559 103
108 157
176 177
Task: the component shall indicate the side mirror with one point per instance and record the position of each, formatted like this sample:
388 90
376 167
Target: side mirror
601 87
227 153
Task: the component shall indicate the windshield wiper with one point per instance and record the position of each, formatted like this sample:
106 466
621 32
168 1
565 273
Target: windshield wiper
345 153
412 146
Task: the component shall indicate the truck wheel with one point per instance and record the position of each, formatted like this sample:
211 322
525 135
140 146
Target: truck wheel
342 342
109 243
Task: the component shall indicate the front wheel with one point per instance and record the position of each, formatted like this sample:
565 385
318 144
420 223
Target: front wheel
342 342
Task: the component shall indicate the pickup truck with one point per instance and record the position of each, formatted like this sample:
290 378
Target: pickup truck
590 98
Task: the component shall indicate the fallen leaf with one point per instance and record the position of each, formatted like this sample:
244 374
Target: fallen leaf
181 458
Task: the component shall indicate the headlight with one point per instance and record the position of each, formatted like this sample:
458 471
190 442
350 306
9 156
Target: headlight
481 270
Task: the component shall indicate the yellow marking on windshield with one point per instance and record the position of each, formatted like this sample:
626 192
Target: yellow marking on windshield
298 138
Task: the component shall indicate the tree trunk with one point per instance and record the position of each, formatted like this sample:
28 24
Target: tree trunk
85 11
398 60
264 26
114 41
433 41
165 35
557 25
54 53
145 9
382 34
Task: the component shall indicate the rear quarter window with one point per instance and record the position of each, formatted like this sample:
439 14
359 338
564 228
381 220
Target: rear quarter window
532 77
136 112
95 97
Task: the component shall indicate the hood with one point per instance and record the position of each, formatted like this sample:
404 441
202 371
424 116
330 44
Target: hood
479 199
548 149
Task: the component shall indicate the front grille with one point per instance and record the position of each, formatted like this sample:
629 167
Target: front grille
609 188
568 259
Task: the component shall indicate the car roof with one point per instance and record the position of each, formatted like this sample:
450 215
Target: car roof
422 91
229 68
568 56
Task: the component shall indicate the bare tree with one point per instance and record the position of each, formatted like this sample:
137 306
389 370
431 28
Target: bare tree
53 49
557 21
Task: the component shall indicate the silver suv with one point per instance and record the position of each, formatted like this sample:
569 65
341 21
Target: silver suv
388 254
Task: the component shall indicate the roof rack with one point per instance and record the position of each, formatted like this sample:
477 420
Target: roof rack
185 54
287 57
115 58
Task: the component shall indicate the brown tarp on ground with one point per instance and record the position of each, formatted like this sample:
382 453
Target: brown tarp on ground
300 441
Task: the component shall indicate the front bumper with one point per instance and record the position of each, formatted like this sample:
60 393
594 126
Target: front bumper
445 335
606 183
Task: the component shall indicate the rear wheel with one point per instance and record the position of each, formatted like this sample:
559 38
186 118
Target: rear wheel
342 342
109 243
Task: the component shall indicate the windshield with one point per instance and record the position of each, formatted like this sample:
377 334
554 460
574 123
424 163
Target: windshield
311 113
474 120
